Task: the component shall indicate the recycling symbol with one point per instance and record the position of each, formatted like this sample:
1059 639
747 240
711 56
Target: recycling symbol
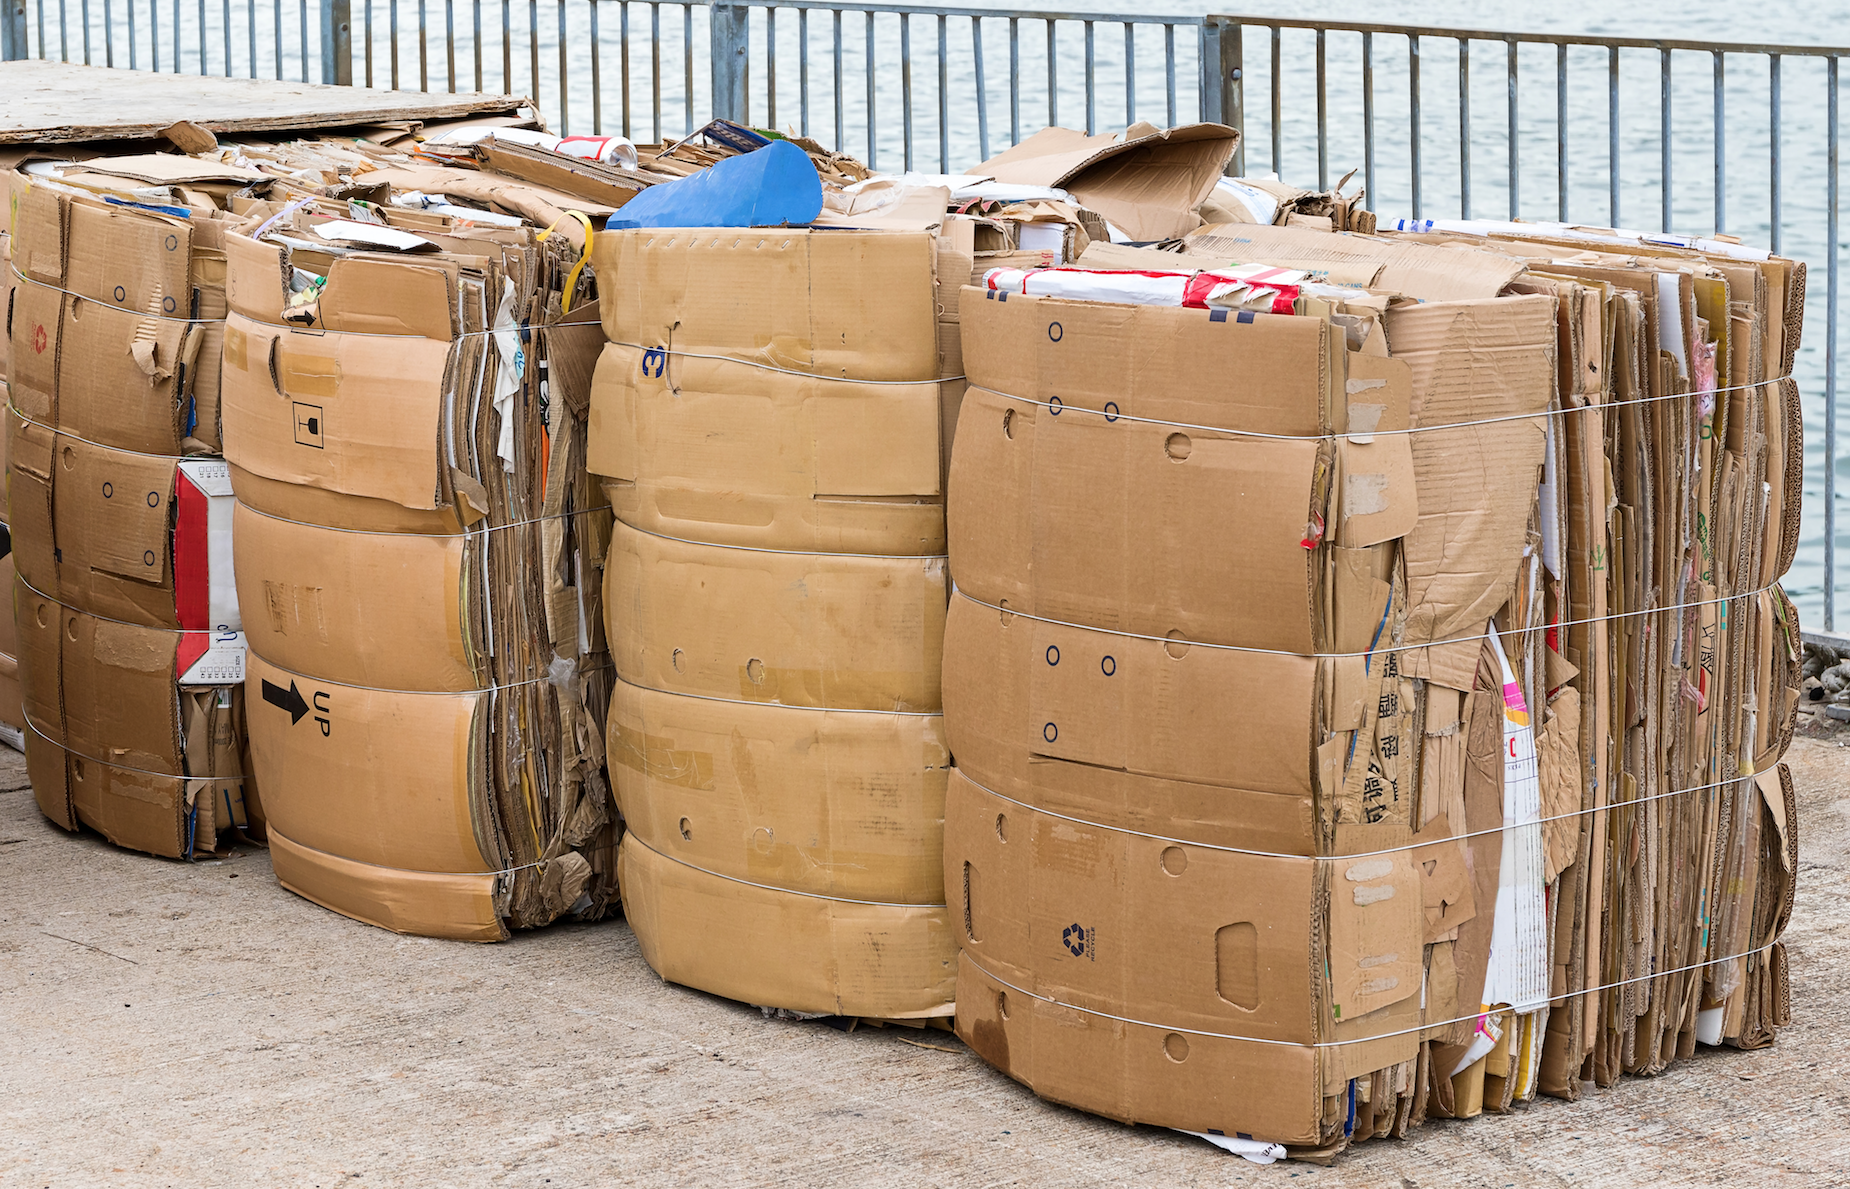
1073 937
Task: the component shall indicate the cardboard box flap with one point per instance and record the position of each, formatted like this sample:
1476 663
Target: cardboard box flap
1425 271
113 510
1147 185
370 295
173 169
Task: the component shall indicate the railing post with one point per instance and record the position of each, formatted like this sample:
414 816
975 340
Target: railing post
336 42
1221 92
730 53
13 45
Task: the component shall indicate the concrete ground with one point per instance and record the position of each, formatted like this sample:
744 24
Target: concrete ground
167 1024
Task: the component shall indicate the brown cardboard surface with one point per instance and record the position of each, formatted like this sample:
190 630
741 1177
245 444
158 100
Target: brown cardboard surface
93 526
12 709
423 903
354 414
1137 1071
1179 935
314 603
375 776
801 629
1471 361
1158 362
104 732
830 303
803 953
720 451
826 802
1146 181
1137 527
1020 691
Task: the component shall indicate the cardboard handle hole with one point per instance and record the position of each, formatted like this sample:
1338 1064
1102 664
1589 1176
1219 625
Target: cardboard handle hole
1175 860
1178 447
1175 1047
687 831
1002 827
1002 1004
754 669
675 659
1008 424
1177 647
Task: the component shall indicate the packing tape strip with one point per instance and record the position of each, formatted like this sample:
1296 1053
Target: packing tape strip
1337 1044
38 284
1384 648
794 552
631 834
1539 822
672 693
1055 406
65 747
665 352
473 531
438 693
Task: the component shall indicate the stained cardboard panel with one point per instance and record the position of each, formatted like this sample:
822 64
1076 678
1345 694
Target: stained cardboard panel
837 303
1261 373
724 452
354 414
40 626
113 513
783 949
1018 690
848 631
1136 1071
314 603
421 903
369 775
832 803
1135 527
1377 498
118 697
1377 922
1472 362
37 332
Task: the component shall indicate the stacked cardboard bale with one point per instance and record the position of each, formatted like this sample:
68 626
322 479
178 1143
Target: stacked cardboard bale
1252 828
130 648
405 393
768 417
12 712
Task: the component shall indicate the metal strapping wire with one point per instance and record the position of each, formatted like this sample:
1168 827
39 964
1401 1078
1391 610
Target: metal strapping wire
1336 1044
633 836
1611 806
1385 648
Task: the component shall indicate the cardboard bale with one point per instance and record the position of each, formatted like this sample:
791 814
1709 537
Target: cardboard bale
115 320
12 708
770 416
404 409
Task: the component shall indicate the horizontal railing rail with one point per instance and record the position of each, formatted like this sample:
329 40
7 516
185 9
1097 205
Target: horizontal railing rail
1435 122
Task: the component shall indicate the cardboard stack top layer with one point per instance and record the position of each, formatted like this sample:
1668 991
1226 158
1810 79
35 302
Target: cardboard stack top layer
1370 712
129 631
405 394
767 416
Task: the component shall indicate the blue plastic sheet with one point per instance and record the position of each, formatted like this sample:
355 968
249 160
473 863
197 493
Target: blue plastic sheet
773 187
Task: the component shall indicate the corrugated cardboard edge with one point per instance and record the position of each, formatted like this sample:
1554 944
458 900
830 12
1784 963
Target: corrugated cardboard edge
783 949
421 903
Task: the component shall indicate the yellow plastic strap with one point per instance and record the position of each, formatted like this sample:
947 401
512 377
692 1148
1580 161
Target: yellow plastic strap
571 278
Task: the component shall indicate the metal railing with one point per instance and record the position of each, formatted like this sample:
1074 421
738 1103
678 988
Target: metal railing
1709 136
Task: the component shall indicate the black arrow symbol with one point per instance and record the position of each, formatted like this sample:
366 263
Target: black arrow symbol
287 699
